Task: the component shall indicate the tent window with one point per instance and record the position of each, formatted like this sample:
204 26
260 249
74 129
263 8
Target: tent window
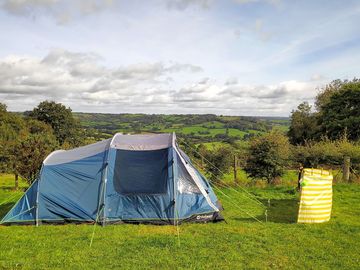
141 172
185 183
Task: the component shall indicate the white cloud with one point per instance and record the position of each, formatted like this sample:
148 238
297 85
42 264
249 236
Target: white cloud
145 54
80 77
205 4
231 81
82 82
62 11
184 4
317 77
271 2
281 97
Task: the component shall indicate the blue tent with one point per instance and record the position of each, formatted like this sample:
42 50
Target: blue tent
129 178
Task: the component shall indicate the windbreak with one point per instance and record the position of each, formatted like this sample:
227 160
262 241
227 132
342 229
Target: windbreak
316 196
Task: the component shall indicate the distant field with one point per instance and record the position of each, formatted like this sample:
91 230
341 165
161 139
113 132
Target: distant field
202 128
241 243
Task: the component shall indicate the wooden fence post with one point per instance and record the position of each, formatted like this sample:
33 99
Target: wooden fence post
235 169
16 181
346 169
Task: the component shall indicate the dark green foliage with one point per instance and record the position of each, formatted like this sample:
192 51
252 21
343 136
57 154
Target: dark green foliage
303 125
30 153
337 115
11 125
217 161
12 129
267 157
60 118
3 107
24 143
38 127
188 147
325 94
326 153
341 115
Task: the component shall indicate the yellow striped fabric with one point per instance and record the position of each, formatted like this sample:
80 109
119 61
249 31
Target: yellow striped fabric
316 196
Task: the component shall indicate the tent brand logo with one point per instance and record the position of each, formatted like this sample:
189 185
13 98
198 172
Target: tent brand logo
207 216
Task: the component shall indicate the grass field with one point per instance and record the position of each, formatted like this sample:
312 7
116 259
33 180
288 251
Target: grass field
240 243
203 126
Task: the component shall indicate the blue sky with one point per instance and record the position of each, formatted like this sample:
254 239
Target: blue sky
234 57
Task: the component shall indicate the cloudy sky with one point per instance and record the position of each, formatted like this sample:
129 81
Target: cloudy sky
233 57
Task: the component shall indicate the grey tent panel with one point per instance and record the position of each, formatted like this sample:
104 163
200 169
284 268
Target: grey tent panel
119 141
62 156
142 142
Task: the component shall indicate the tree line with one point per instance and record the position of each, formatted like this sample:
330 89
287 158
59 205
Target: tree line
25 140
318 137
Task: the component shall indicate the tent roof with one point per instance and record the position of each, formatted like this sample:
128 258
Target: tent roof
137 142
142 142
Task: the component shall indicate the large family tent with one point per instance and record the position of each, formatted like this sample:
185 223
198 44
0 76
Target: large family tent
129 178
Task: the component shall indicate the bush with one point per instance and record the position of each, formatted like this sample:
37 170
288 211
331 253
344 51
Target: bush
221 159
30 153
326 153
268 155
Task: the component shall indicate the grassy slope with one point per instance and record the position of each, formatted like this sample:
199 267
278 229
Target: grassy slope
115 124
240 243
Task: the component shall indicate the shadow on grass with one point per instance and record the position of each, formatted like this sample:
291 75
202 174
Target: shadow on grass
283 211
5 208
279 211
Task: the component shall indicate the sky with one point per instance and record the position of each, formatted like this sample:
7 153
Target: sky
230 57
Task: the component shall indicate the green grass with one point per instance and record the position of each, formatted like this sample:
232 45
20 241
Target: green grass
8 196
180 124
281 128
215 124
214 145
240 243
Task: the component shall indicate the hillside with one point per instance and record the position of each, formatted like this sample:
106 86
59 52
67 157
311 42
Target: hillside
200 128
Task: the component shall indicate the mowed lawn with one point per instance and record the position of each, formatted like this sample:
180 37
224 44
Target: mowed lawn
240 243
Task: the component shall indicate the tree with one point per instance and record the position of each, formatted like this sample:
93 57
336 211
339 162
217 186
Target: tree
336 115
3 108
24 143
219 161
12 129
268 155
60 118
11 125
325 94
30 153
303 125
341 114
201 152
